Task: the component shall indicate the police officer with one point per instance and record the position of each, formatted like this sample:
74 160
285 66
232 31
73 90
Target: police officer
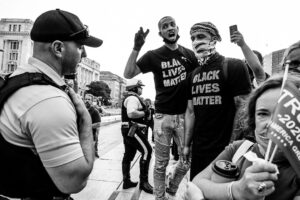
133 128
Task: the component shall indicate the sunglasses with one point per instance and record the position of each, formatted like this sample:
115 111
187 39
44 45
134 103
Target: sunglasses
82 34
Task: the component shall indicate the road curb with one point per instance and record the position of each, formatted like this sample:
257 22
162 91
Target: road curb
110 120
107 123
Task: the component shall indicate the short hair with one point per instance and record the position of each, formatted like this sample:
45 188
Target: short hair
160 21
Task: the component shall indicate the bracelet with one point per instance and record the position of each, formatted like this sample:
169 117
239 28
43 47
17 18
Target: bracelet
229 191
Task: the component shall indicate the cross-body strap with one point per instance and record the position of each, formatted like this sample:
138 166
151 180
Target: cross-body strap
245 146
12 84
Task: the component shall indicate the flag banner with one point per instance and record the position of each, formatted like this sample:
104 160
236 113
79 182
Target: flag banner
284 129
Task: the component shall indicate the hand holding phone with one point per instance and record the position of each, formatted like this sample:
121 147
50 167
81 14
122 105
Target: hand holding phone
232 29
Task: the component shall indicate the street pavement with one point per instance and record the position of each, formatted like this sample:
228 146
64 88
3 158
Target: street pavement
106 175
105 181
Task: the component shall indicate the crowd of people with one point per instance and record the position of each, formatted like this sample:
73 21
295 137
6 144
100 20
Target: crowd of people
203 107
204 101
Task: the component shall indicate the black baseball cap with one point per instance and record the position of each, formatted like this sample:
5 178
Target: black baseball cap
62 25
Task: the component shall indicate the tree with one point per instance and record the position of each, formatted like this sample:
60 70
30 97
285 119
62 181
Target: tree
100 89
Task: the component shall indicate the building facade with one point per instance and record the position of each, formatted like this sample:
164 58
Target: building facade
116 84
87 72
15 43
272 61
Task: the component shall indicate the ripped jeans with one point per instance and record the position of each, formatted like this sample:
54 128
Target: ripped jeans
166 127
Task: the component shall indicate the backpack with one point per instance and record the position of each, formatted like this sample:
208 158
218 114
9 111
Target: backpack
9 85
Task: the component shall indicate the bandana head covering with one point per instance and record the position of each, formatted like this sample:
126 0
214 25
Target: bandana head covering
205 48
207 27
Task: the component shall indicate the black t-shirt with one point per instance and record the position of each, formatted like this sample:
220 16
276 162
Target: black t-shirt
213 99
94 113
170 69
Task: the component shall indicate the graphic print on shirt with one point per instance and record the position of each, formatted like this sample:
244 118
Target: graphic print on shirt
173 72
206 88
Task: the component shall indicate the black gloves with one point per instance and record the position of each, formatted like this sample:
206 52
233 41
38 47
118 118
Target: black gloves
139 39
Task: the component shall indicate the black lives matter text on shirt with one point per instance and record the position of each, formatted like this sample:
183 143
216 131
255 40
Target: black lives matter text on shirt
206 88
173 72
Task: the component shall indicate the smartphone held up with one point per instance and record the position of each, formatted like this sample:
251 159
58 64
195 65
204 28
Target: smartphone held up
232 29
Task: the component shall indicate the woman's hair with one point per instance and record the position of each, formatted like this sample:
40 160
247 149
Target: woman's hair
289 50
272 83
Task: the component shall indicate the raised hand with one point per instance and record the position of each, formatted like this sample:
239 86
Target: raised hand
238 38
139 39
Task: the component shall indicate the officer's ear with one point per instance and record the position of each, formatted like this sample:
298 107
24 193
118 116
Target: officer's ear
57 48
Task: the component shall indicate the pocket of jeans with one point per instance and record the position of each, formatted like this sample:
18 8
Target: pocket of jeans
158 123
158 115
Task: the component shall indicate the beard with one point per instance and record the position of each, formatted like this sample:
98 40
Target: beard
87 104
69 65
167 41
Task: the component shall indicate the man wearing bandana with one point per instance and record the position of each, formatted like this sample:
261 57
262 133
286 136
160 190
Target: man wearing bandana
170 65
215 90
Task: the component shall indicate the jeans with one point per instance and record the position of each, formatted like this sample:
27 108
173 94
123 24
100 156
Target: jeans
167 127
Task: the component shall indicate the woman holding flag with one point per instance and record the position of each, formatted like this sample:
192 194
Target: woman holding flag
257 178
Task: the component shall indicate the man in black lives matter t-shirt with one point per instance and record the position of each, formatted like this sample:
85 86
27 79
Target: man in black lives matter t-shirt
215 90
170 65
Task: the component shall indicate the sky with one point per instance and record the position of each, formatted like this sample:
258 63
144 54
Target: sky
267 25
